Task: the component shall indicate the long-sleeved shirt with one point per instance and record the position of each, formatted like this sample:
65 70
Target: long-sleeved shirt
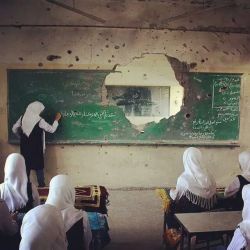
238 241
7 225
42 124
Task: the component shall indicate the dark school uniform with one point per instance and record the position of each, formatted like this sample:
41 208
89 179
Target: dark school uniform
75 236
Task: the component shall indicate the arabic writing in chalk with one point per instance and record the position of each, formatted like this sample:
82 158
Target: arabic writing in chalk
100 115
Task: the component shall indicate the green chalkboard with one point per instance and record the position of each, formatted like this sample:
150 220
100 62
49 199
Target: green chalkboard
209 114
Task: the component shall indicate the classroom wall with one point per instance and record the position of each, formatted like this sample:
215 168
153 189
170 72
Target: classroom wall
125 166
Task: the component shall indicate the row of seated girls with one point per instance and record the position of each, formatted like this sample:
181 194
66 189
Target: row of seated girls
27 225
195 191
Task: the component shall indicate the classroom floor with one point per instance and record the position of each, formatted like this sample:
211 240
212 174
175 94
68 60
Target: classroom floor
135 220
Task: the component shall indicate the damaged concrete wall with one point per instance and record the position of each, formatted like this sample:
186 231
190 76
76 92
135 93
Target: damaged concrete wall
105 48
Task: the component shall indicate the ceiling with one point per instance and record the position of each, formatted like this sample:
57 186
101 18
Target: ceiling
197 15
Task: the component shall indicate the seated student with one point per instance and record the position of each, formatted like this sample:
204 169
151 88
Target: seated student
19 194
8 228
235 187
195 189
241 238
62 196
43 229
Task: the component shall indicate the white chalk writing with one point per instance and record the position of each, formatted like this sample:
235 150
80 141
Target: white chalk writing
197 79
76 84
204 125
198 135
77 93
92 115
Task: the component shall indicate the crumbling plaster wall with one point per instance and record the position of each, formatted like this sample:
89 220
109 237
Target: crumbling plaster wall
104 48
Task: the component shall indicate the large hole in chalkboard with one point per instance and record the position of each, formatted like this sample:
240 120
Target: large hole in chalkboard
146 90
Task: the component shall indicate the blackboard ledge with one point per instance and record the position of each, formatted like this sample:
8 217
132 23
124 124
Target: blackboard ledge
144 143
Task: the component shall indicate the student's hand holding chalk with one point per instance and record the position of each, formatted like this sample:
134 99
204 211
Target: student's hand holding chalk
58 116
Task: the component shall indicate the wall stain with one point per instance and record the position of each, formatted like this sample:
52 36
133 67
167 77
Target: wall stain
53 57
245 47
239 51
192 65
203 46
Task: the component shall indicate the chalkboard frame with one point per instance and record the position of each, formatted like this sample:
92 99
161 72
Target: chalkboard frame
178 142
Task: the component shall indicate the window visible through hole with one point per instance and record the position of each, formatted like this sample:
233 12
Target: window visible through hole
142 105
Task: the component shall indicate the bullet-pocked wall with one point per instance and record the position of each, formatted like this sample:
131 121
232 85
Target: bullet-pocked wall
122 166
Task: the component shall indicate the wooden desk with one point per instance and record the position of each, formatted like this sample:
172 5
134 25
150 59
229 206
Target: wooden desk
208 222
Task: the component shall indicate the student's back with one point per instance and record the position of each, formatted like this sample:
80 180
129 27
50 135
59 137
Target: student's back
43 229
241 238
62 196
19 194
195 189
234 190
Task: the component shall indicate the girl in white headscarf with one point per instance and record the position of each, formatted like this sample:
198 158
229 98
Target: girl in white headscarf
62 196
30 128
43 229
19 195
241 238
235 187
195 183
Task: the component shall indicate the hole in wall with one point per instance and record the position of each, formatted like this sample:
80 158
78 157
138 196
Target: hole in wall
146 90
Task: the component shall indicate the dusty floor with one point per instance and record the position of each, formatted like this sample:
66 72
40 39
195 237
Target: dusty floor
135 220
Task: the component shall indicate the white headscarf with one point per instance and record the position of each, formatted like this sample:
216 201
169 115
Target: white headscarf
14 188
62 196
244 160
245 224
42 229
195 182
31 116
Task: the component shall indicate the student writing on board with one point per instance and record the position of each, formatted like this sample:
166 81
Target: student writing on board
31 128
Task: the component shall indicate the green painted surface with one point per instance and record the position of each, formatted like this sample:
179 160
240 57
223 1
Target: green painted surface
210 113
